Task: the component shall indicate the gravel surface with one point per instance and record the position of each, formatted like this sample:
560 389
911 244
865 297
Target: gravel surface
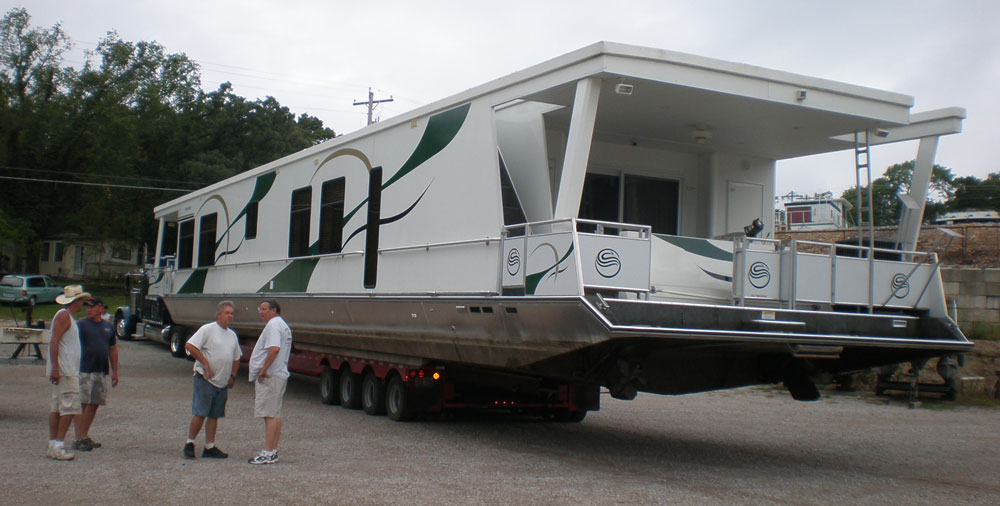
748 446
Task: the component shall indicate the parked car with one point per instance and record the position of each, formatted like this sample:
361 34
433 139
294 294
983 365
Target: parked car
28 289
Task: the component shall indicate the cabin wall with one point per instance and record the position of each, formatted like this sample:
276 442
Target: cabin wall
440 184
734 179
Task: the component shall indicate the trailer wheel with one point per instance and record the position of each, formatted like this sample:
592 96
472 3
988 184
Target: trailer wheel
329 381
372 394
178 338
397 401
350 390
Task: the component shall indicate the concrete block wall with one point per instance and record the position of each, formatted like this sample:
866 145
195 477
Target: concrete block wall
975 292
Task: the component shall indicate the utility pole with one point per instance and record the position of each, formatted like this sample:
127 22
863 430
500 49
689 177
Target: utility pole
371 103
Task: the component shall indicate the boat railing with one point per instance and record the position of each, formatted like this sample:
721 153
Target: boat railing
798 273
573 256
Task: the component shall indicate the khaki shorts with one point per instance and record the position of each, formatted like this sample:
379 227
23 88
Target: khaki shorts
267 396
66 396
93 388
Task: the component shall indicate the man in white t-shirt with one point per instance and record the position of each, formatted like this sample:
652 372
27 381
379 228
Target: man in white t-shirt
216 352
269 373
63 368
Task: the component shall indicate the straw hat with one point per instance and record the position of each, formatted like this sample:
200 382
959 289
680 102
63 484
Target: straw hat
72 293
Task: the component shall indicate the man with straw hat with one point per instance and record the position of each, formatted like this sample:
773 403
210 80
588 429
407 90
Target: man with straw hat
63 368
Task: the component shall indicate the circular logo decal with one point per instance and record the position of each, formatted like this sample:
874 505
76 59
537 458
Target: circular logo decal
759 275
607 263
900 286
513 262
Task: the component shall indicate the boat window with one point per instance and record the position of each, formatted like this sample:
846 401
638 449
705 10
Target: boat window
206 240
168 240
652 201
250 232
513 213
331 216
186 246
599 200
647 201
298 228
371 235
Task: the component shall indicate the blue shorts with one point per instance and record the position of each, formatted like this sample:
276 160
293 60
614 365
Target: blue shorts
209 401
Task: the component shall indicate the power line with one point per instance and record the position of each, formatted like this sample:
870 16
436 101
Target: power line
134 178
81 183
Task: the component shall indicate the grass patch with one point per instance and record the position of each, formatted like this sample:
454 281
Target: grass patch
47 311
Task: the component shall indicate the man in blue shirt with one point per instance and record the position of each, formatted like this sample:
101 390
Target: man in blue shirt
98 351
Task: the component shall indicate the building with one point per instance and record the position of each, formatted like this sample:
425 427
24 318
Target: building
820 211
968 216
73 258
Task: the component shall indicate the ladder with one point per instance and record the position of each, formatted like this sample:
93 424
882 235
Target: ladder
862 163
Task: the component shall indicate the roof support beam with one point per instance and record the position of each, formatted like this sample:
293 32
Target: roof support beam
581 132
912 210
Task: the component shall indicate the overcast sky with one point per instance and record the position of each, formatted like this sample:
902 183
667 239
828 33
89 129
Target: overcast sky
319 56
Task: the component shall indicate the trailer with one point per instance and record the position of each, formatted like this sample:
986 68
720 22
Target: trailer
600 220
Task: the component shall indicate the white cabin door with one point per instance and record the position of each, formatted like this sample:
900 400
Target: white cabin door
745 202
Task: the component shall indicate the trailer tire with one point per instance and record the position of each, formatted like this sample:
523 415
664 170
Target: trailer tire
329 382
398 404
350 390
178 338
372 395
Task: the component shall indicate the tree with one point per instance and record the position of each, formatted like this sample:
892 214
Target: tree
973 193
133 114
895 181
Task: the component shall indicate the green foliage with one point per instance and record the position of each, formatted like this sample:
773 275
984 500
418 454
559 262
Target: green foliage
895 181
134 114
974 193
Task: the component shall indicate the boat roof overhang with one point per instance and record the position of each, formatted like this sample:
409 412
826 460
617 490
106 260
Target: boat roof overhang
749 111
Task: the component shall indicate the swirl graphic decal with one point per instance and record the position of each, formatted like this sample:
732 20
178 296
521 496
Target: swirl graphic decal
513 262
759 275
900 286
608 263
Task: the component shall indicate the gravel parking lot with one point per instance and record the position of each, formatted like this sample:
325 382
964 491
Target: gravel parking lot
749 446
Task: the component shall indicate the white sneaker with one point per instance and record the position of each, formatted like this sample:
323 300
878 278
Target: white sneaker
59 453
264 458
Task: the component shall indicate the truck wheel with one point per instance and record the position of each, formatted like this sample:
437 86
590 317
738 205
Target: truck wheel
397 401
178 338
372 394
350 390
121 329
329 381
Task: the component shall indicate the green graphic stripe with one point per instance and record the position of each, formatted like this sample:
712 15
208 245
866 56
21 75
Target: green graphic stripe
293 278
260 189
441 130
195 282
700 247
532 280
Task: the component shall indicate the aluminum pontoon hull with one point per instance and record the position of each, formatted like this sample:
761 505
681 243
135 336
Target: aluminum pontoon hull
653 346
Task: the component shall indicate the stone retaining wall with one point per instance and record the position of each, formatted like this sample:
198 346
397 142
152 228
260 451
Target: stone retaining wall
975 295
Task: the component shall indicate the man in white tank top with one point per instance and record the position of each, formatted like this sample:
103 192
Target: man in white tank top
63 367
